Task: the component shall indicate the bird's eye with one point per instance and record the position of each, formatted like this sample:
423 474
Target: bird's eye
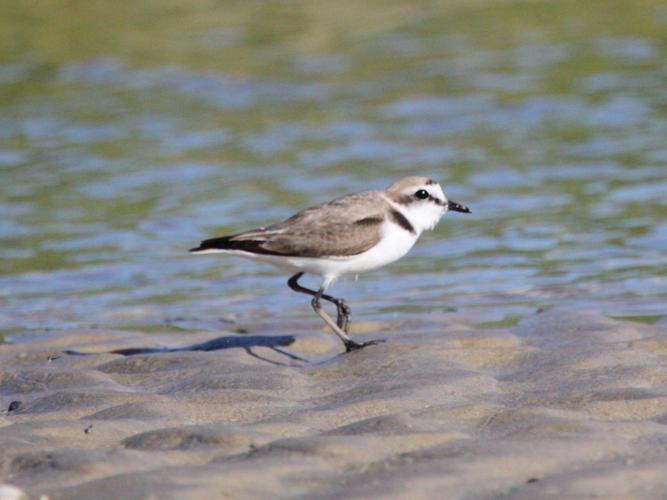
422 194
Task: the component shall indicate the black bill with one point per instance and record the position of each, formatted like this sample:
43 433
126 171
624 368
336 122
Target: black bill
456 207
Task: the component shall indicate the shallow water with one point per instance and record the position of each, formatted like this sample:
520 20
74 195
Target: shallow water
126 136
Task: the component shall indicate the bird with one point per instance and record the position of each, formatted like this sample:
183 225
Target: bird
348 235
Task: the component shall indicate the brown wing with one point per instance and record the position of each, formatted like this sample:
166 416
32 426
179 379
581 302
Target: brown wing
332 229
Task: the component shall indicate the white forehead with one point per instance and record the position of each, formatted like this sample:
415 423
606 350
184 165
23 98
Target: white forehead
433 188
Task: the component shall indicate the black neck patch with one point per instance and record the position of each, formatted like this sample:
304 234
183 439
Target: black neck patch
401 220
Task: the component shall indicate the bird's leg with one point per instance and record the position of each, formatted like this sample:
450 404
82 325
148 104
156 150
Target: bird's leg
349 343
340 327
343 311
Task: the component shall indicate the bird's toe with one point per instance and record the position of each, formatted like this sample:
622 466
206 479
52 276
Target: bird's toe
355 346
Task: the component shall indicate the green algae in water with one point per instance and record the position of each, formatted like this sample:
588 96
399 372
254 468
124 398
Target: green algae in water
646 319
507 322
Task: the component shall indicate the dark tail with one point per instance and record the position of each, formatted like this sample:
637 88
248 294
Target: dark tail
229 243
222 243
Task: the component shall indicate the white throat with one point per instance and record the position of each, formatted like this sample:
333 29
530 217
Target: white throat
422 216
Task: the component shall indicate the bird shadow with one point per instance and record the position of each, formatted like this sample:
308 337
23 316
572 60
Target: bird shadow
246 343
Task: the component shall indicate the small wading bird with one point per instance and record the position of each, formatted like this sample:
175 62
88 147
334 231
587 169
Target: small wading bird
348 235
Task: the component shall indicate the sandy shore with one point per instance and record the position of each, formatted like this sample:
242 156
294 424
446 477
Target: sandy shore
566 404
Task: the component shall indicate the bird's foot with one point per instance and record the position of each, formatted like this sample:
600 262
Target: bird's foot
355 346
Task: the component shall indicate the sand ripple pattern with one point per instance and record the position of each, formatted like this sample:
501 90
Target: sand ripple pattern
568 403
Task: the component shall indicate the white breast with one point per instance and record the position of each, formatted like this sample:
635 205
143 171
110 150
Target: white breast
394 243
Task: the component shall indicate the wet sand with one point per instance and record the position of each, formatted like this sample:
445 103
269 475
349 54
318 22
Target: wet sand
566 404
